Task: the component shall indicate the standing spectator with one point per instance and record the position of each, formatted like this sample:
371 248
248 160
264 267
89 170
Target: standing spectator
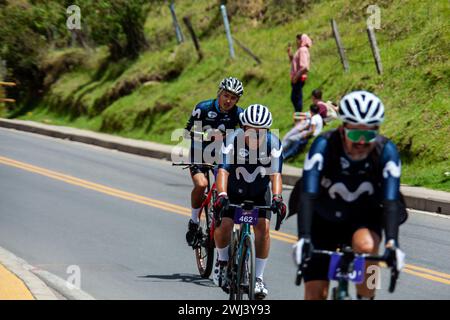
300 63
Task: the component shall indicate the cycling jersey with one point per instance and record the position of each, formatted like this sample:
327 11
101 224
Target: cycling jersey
250 170
208 113
340 189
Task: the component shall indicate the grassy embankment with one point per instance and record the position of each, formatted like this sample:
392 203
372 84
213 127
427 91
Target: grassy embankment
151 96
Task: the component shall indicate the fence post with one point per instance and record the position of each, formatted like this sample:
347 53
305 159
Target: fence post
341 49
7 84
227 29
375 51
247 50
180 37
188 24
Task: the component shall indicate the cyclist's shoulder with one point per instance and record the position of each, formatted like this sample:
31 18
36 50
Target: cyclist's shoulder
323 141
205 104
388 149
273 139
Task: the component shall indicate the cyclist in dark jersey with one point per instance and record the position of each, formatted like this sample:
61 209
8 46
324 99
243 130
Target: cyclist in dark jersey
221 114
350 192
252 158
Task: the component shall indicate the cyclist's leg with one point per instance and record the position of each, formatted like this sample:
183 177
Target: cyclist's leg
325 235
200 184
262 233
316 290
366 241
222 234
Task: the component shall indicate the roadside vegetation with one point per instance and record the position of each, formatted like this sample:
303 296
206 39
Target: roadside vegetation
138 82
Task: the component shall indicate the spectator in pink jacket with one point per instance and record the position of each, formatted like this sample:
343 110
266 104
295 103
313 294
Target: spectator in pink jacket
300 64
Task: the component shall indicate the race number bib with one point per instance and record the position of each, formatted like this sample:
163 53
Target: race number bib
243 216
335 272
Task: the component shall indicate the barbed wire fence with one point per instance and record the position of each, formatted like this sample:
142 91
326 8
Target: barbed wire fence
343 51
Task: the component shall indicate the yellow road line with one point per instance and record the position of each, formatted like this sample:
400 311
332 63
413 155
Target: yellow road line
436 273
426 276
288 238
11 287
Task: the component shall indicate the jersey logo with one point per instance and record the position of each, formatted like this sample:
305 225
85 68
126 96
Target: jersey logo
310 162
392 169
227 149
250 177
346 195
243 153
212 114
196 113
276 153
344 163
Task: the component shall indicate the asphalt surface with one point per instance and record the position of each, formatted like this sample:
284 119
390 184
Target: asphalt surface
129 249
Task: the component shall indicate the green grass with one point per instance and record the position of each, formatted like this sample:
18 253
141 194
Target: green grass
413 42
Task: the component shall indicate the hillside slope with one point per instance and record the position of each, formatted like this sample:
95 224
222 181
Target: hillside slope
149 97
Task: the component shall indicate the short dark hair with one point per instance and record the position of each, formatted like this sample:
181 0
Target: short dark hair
317 93
299 36
314 109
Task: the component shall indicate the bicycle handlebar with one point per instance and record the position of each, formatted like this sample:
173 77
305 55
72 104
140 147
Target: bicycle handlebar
191 164
353 255
278 222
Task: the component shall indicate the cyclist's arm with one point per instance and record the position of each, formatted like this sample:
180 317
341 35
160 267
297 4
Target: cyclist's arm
227 154
195 116
277 183
390 162
312 173
276 158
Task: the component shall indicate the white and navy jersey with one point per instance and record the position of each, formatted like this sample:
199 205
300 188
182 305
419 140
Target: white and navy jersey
344 186
250 170
208 114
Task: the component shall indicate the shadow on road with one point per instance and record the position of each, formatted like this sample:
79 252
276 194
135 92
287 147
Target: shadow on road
182 277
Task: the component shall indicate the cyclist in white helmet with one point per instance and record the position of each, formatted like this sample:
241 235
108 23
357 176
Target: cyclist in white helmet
221 113
349 194
252 158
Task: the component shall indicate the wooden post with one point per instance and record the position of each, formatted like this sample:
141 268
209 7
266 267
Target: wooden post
7 84
227 30
247 50
7 100
375 51
180 37
188 24
341 49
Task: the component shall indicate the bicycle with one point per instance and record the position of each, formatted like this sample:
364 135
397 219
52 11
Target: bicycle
204 244
346 266
241 268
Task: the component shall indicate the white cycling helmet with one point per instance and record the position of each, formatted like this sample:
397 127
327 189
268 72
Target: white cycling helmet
361 107
257 116
232 85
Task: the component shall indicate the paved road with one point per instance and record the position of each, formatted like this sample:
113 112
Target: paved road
65 203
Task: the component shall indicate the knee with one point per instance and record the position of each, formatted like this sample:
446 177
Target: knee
262 231
364 246
201 184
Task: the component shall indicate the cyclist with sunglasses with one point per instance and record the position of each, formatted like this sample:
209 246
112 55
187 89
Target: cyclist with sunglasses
349 193
219 114
252 158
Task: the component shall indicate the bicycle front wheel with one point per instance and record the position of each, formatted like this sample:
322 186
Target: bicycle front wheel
204 250
246 270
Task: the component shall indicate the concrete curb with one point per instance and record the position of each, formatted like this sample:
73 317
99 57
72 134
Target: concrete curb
22 270
39 281
416 198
